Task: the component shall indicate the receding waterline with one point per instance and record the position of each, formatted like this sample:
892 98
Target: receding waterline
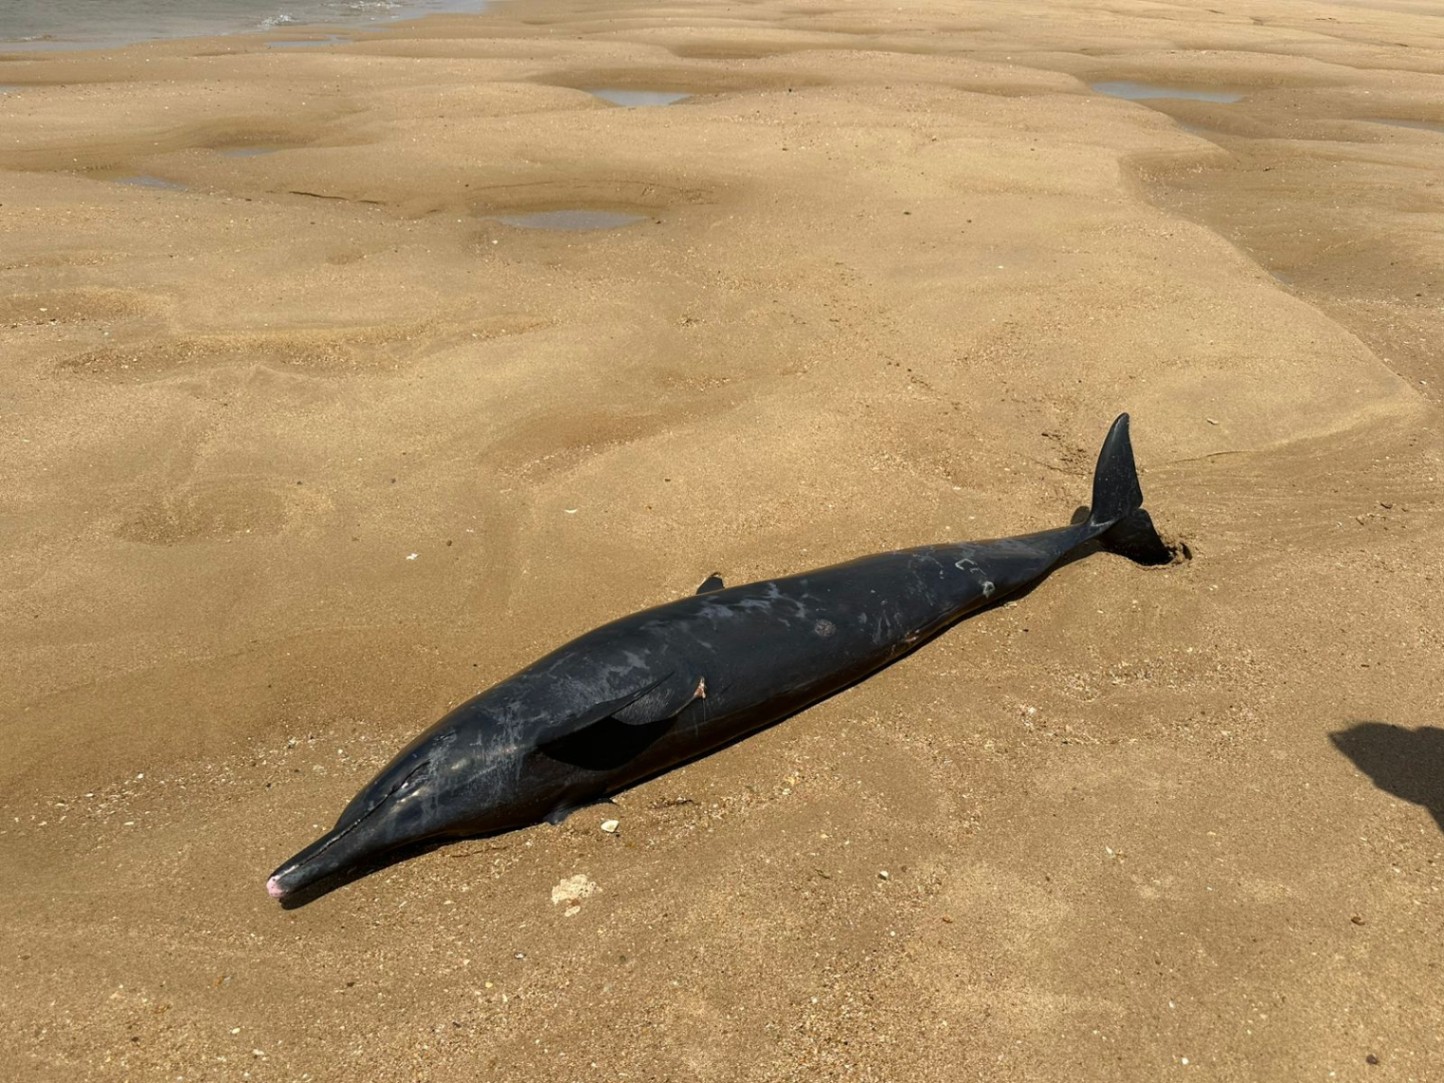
48 25
1138 92
638 99
570 219
146 180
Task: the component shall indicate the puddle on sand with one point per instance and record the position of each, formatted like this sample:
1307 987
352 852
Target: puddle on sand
145 180
305 43
1418 125
635 99
247 152
1138 92
574 219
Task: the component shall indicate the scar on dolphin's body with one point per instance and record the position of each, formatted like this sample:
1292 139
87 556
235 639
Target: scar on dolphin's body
645 693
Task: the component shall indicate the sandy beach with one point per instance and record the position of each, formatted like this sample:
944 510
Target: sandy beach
309 432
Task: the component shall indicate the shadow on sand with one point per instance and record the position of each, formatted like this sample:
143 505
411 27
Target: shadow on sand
1406 763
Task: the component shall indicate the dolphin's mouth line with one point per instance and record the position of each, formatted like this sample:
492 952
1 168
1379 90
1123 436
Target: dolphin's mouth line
334 839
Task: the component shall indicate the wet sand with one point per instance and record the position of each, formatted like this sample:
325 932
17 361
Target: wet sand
303 443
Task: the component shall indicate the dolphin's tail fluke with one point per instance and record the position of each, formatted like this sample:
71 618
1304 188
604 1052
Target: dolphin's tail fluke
1134 537
1117 514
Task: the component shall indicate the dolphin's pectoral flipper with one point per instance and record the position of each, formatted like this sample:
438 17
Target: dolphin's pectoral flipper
559 814
642 699
665 699
711 584
660 699
606 745
628 727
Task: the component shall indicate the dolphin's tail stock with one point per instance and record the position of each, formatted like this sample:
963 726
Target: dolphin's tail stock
1117 514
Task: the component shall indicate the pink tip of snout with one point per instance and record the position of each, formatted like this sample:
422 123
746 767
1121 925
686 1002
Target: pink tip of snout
273 889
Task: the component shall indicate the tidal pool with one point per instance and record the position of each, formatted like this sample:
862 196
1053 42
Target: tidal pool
570 219
635 99
1418 125
1138 92
146 180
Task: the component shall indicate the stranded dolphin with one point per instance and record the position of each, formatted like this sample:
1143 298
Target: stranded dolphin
660 687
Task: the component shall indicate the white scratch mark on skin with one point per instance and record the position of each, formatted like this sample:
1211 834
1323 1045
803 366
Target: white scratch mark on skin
972 568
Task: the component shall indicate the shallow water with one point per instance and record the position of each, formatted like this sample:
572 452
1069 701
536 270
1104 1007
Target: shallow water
146 180
247 152
62 24
634 99
1137 92
304 43
570 219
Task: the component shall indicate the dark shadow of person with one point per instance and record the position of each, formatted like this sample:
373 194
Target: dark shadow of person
1406 763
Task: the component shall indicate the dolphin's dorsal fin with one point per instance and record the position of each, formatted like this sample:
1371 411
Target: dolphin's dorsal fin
711 584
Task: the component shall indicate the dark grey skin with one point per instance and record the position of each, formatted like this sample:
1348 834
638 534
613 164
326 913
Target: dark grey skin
658 688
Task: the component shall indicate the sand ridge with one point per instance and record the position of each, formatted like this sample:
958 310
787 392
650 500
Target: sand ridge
304 445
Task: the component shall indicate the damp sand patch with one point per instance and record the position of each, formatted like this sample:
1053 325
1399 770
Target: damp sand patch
247 152
665 80
320 352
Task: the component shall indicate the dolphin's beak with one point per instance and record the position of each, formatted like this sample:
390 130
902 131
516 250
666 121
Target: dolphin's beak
332 852
354 839
368 827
